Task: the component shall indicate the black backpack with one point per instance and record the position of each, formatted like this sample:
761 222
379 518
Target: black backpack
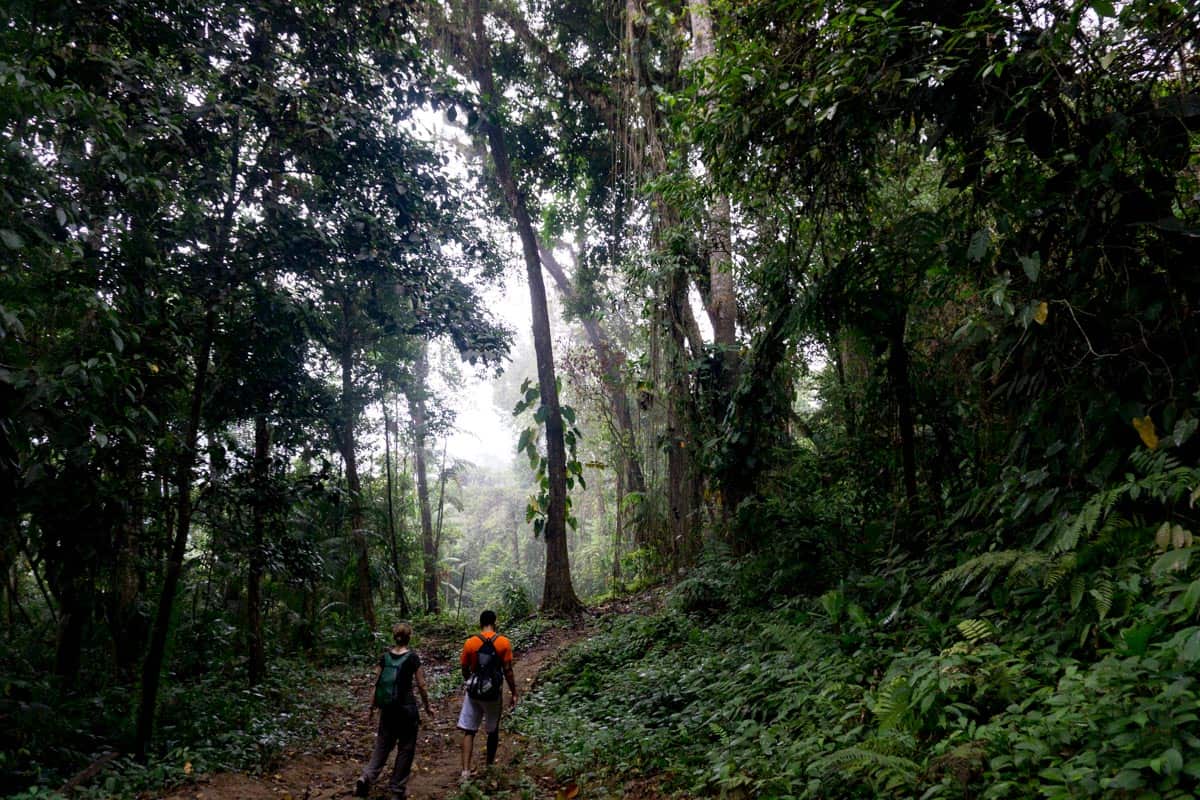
486 680
388 691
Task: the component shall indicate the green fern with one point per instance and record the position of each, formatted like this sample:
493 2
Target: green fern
887 770
1018 564
1059 570
976 630
890 706
1102 593
1078 585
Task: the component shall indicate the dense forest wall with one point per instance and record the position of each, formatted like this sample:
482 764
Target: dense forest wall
889 310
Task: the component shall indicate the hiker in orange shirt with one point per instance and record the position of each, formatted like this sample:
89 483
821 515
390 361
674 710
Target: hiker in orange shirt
486 659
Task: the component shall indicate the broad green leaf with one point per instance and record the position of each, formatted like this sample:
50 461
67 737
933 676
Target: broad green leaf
1187 601
525 439
1191 649
979 244
1032 266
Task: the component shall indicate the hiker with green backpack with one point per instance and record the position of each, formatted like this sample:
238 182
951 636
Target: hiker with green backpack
399 669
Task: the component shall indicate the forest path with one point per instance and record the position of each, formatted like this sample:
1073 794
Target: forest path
329 766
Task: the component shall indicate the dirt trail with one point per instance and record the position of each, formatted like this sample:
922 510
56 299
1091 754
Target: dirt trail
328 768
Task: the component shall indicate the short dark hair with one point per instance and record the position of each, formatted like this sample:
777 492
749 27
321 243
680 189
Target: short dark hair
487 618
402 632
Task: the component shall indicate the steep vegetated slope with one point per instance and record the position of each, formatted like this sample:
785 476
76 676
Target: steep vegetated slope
1069 672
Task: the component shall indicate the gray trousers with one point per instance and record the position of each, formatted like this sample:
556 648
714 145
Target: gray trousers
397 730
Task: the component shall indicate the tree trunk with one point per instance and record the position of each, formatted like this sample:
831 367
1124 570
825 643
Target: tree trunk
254 578
558 594
898 372
74 611
358 524
516 543
437 534
127 626
152 667
185 461
682 487
416 410
618 529
610 361
721 306
398 594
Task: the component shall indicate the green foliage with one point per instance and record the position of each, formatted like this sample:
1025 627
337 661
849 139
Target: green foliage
527 444
208 725
855 695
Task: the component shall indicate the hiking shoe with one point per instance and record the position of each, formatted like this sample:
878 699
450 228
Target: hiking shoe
465 776
361 789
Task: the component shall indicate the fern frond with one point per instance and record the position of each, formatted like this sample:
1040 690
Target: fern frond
891 702
1059 569
1084 523
861 758
1102 594
976 630
1025 568
1077 589
894 769
986 565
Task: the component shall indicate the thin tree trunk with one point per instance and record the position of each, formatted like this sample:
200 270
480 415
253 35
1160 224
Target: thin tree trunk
416 410
152 667
558 594
34 569
847 401
610 361
898 369
397 581
358 524
308 612
516 543
262 466
681 482
128 629
437 536
618 528
74 613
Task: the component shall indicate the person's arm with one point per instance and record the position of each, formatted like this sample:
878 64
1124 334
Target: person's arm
371 710
512 684
509 677
421 688
465 661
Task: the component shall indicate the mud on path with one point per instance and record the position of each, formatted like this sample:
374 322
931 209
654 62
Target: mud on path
328 767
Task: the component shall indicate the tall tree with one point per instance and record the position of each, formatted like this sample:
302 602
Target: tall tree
418 411
558 594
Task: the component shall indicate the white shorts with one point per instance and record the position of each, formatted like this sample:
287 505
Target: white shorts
476 711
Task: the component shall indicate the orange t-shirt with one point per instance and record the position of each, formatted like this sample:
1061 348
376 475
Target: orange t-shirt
471 647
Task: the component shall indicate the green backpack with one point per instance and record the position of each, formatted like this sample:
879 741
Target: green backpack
388 691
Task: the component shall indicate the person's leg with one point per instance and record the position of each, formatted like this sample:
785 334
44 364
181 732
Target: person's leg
493 742
468 722
406 747
385 738
468 745
491 724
